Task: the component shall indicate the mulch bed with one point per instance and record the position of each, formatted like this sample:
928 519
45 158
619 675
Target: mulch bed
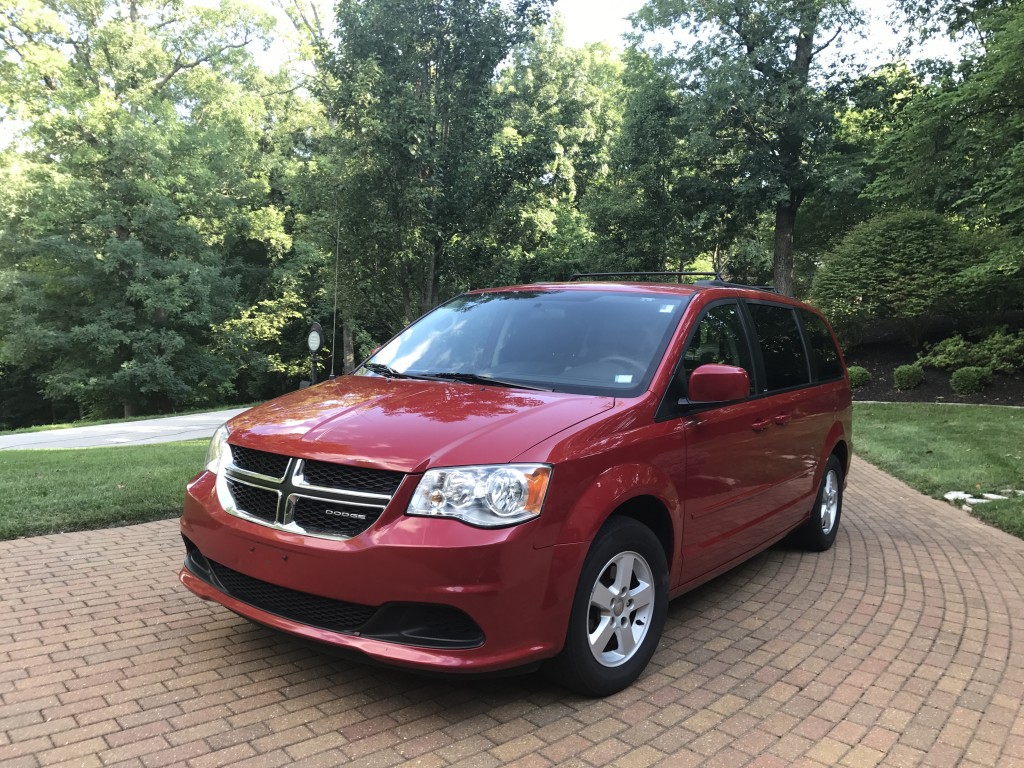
881 359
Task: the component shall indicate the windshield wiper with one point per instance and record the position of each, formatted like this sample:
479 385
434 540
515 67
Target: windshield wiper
476 378
387 371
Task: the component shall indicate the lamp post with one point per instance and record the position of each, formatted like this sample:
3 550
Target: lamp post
315 341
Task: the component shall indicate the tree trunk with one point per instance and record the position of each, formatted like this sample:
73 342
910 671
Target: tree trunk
785 221
431 281
348 355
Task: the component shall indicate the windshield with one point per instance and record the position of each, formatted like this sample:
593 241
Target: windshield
584 342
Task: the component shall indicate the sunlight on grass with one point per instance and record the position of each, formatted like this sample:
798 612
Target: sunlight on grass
939 448
70 490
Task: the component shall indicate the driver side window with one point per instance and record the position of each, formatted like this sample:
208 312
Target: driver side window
720 338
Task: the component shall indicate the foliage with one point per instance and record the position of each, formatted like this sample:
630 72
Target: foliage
939 448
634 211
859 377
900 266
906 377
412 95
1001 351
952 18
969 380
137 201
958 147
173 216
758 123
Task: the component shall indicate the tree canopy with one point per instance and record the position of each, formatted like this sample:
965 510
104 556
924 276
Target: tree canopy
176 208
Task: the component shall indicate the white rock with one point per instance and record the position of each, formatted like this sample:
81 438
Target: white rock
994 497
956 496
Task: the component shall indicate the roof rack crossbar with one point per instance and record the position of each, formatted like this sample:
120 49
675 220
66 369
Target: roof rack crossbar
678 275
719 283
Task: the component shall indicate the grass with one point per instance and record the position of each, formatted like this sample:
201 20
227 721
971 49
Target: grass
85 488
934 448
940 448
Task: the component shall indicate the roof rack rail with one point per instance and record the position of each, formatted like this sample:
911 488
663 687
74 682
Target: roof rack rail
716 276
718 282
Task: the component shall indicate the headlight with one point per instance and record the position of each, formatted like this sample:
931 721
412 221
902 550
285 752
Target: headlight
491 497
218 454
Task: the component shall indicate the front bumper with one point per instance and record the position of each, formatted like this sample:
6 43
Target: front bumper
503 602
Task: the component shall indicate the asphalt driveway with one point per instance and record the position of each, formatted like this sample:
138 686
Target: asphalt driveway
904 645
166 429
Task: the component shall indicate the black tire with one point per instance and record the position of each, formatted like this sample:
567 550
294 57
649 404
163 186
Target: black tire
597 659
819 532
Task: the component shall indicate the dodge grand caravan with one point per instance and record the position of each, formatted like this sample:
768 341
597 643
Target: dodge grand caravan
529 474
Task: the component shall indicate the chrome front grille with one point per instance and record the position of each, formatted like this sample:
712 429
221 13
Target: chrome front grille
255 501
313 498
326 475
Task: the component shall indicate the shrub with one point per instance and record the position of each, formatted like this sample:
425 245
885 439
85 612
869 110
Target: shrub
999 351
954 352
859 377
898 266
907 377
969 380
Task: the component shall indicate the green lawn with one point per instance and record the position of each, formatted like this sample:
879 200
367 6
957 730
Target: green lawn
940 448
69 490
934 448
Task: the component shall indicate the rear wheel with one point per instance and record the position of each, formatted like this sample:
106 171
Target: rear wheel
819 533
618 611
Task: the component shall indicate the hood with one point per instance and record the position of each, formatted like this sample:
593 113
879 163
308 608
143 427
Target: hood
407 425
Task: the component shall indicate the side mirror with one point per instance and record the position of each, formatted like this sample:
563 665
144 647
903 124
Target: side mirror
713 383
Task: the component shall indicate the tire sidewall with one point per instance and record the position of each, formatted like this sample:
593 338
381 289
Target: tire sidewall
815 538
576 666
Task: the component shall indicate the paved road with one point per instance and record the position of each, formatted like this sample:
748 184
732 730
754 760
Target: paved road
194 426
901 646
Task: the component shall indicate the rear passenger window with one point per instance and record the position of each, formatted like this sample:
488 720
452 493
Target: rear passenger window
824 355
782 349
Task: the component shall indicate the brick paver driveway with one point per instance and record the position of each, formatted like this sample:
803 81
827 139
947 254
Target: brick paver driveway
903 645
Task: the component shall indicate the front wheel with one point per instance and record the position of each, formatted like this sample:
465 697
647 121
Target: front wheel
819 533
618 611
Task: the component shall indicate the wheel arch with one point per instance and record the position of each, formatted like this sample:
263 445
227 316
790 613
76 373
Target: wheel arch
841 450
638 491
652 513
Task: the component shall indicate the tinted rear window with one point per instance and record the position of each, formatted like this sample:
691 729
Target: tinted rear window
824 354
782 347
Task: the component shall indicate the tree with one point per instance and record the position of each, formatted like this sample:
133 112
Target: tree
957 148
136 199
756 117
561 109
952 18
411 95
634 212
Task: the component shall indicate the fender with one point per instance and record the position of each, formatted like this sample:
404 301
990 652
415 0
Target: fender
836 435
613 488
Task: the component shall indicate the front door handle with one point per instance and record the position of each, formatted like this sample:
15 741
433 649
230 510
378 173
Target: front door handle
782 419
761 425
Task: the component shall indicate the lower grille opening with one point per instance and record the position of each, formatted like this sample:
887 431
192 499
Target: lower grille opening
415 624
313 610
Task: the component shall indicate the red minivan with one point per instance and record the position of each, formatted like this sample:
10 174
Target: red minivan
529 474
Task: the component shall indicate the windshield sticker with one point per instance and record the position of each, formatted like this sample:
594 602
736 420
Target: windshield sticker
624 378
666 309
